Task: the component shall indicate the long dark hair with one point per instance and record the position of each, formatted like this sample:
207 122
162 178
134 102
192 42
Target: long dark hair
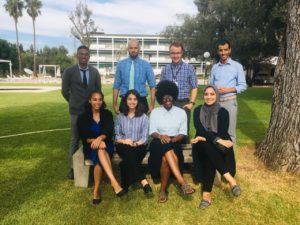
124 107
88 106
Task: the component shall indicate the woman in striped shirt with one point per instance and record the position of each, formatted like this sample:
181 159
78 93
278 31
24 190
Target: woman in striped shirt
131 128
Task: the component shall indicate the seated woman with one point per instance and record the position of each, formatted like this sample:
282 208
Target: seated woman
212 144
131 129
95 128
168 127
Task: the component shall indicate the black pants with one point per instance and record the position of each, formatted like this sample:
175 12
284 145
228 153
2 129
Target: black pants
211 159
144 102
131 167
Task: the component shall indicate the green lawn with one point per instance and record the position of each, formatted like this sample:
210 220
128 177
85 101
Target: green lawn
34 188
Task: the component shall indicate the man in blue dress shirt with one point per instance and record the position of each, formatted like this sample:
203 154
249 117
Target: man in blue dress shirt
133 73
229 77
184 76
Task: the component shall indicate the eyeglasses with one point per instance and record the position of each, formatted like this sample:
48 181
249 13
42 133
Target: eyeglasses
175 53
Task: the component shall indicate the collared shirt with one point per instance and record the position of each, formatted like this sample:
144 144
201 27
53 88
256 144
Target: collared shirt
183 75
135 128
169 122
229 75
87 74
142 72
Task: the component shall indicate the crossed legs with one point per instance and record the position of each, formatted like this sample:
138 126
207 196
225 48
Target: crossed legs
106 164
170 164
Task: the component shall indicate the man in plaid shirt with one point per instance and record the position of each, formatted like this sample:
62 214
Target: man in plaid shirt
184 76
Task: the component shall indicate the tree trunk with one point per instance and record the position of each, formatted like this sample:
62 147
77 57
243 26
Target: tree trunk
18 48
280 150
34 50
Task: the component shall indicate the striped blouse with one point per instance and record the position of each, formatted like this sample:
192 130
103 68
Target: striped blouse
135 128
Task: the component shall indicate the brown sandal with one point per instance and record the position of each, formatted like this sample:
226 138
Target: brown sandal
186 189
162 197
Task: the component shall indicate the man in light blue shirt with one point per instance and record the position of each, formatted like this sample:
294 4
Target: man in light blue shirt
134 73
229 77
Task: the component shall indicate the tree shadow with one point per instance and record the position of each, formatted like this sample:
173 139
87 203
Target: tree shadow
254 108
34 164
31 175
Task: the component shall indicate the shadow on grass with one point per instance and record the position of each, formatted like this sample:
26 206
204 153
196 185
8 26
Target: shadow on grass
40 116
32 175
253 114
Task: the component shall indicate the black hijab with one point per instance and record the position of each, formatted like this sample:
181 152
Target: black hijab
209 113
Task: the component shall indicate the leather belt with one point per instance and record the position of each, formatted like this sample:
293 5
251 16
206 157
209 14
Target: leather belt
225 99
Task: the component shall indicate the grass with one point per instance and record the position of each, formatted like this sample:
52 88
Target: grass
34 188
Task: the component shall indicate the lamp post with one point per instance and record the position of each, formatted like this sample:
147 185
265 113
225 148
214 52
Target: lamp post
10 69
206 56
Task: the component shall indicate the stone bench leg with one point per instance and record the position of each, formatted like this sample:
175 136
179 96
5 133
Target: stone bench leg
218 179
81 171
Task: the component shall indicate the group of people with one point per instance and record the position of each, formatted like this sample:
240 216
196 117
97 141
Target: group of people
167 127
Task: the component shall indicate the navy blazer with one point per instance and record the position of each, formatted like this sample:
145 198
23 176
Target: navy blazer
85 121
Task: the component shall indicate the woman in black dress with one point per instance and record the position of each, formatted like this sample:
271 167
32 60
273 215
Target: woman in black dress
95 128
212 148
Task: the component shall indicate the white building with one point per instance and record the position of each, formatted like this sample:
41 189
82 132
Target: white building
107 49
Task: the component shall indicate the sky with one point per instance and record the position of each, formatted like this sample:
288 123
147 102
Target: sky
112 16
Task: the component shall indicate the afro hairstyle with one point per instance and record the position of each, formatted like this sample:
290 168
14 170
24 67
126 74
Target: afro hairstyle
166 87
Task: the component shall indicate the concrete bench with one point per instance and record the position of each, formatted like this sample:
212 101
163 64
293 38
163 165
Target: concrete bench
82 167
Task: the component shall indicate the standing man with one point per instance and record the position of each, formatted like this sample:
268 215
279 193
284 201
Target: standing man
184 76
78 82
229 77
133 73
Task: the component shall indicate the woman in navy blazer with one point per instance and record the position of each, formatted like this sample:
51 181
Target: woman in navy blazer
96 130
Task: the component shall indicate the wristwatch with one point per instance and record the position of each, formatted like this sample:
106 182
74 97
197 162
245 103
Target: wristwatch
192 102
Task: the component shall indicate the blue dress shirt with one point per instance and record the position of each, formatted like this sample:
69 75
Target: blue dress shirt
229 75
87 74
142 73
169 122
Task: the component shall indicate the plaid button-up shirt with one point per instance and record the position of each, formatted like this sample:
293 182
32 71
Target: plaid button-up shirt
183 75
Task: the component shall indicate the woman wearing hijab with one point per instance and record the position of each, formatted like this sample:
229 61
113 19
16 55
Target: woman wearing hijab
212 144
168 127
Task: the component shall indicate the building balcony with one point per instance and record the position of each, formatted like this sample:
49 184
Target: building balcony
156 48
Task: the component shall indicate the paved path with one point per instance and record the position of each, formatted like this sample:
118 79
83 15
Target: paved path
31 89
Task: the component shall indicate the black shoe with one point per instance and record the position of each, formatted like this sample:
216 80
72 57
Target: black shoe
96 201
126 188
147 189
71 174
121 193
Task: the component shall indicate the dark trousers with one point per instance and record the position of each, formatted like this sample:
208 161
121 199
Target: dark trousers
144 102
211 158
130 167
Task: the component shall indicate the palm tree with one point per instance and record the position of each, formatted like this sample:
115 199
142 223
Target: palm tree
14 8
33 10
